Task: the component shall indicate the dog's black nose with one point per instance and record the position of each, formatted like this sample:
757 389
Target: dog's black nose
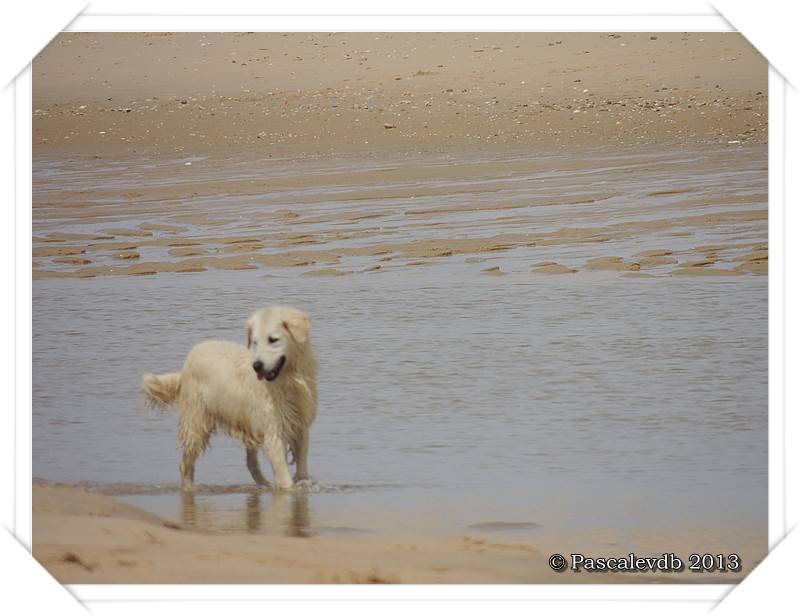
258 366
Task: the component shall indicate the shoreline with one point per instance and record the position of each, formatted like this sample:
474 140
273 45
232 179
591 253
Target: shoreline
82 537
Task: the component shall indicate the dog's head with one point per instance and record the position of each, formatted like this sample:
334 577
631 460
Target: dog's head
274 336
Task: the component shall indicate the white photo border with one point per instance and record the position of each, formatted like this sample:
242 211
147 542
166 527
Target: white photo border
708 594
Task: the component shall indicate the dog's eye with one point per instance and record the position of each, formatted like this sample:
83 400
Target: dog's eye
271 340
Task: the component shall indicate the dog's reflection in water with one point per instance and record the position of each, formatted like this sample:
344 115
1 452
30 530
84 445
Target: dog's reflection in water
286 513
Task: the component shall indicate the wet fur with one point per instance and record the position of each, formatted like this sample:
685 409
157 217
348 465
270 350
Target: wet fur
218 390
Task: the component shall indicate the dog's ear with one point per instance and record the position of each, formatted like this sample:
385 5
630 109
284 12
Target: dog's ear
297 323
248 330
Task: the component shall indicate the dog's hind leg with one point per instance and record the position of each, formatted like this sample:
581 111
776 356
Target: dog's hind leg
193 434
187 469
191 451
255 468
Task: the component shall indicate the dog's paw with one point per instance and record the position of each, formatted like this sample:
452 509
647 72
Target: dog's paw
305 485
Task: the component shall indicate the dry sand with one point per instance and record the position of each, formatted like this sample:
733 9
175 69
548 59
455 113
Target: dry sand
331 93
87 538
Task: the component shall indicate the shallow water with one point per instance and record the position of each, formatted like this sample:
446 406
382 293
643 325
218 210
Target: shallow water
447 398
568 206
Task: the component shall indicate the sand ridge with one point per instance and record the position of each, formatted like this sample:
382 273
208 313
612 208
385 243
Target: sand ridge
247 253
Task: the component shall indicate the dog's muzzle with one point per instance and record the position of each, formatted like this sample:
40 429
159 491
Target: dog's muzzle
272 374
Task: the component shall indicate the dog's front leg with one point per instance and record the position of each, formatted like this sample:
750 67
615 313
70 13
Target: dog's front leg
300 451
255 468
276 452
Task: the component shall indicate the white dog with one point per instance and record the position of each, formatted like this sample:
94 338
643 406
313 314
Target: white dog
264 394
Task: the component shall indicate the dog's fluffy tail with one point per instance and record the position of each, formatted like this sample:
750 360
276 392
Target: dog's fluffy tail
161 390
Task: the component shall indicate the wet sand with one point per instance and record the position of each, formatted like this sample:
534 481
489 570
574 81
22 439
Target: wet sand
363 215
87 538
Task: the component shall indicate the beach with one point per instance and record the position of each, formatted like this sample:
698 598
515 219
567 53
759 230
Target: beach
85 538
306 94
536 266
